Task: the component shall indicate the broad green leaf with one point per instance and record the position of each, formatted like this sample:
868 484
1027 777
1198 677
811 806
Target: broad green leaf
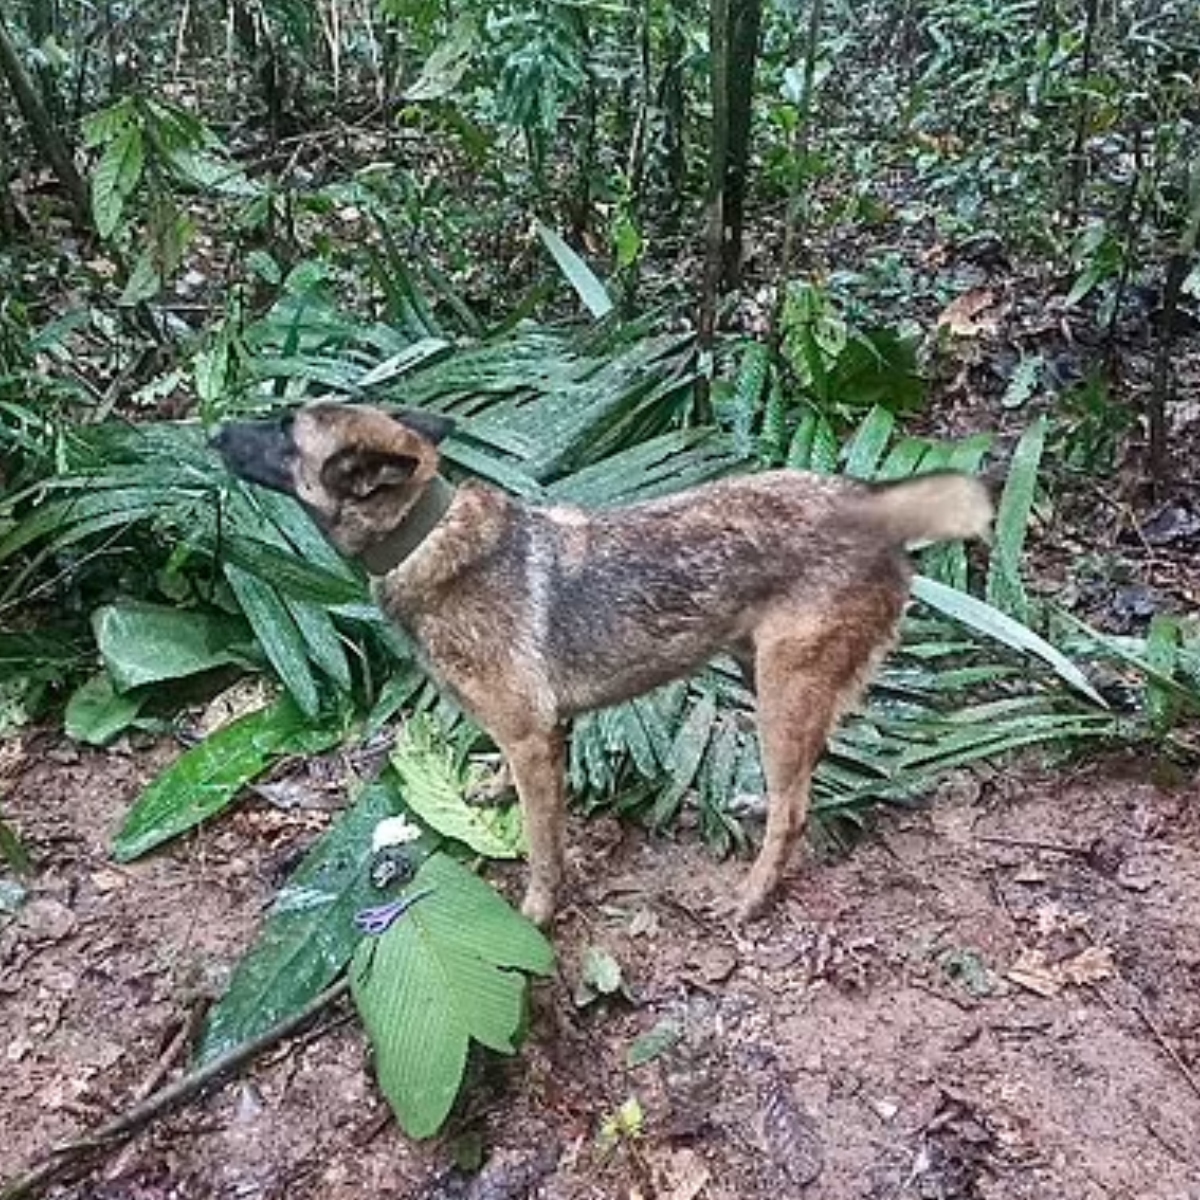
104 124
1004 587
446 66
627 241
903 459
278 635
325 646
145 643
601 975
207 778
579 275
448 972
434 790
1024 381
992 623
309 935
285 571
747 395
96 713
115 176
145 280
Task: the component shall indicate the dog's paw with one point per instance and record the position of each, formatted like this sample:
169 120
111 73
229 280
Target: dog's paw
538 907
752 900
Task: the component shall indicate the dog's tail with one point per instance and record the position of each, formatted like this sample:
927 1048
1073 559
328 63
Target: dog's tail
942 507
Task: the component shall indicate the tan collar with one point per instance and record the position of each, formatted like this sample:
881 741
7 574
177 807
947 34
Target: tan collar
419 522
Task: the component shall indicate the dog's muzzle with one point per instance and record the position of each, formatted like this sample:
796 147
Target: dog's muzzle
260 452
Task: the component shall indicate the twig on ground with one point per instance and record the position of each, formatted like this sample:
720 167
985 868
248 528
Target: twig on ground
67 1156
994 839
1139 1006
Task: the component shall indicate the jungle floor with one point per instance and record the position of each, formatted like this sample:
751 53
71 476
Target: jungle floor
997 995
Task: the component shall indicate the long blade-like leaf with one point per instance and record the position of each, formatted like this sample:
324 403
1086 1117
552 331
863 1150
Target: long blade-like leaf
992 623
579 275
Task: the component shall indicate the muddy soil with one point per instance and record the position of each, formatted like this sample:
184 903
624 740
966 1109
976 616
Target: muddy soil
996 996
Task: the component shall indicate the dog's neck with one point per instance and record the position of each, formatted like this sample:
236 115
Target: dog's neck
391 550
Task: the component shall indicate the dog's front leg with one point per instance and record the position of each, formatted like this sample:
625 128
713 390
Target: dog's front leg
537 761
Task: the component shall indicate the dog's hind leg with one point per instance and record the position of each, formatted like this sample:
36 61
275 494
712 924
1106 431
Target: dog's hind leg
808 669
537 760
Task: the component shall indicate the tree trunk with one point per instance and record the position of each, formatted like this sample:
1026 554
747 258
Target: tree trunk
1163 383
8 211
714 236
46 137
745 24
733 37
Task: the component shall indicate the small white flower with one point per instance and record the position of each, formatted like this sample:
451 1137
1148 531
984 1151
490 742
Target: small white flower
394 831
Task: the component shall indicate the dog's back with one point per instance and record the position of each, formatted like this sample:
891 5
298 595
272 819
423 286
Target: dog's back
613 602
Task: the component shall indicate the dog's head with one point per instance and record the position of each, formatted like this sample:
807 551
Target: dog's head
357 470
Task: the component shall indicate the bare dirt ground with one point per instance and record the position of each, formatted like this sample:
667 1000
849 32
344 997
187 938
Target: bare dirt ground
997 996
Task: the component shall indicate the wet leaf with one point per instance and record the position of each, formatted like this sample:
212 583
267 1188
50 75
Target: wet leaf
600 976
207 778
146 643
451 971
309 935
96 713
578 274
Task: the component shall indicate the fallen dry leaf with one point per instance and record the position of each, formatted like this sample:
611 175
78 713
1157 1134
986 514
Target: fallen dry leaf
1089 966
685 1174
1032 972
964 316
1052 918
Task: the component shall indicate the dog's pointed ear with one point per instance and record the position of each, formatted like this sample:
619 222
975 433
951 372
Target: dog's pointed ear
433 427
354 473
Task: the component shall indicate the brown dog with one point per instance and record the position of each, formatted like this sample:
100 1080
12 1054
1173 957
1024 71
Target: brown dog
531 615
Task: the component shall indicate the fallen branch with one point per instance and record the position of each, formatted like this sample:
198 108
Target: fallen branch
69 1155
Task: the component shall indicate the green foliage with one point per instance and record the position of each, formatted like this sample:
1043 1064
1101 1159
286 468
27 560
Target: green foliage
149 151
1091 426
902 137
96 712
434 790
450 971
580 276
148 643
1004 588
12 850
654 1043
309 935
206 779
842 367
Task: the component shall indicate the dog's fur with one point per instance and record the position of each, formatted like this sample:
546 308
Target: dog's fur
530 615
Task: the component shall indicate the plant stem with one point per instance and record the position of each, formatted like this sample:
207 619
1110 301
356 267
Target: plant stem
44 134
